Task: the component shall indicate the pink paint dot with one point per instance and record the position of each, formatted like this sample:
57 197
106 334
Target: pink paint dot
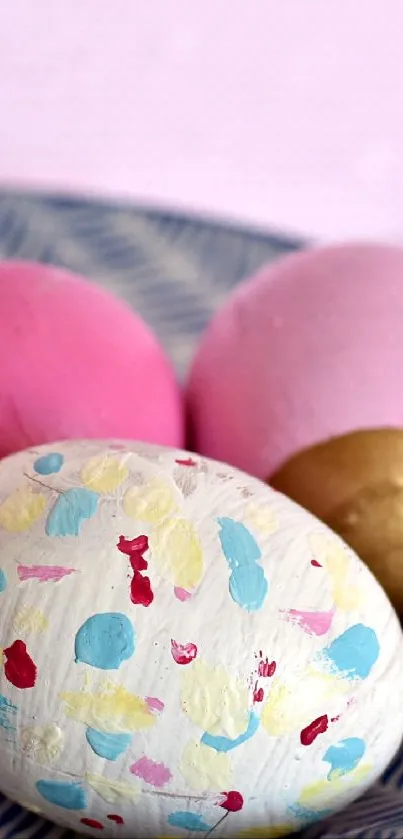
186 462
183 653
182 594
155 704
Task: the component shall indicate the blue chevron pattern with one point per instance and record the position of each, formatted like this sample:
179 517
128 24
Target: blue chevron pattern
175 271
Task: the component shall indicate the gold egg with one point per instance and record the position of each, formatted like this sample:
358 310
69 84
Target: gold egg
354 483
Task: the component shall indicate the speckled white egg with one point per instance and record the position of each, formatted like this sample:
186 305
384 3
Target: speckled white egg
184 649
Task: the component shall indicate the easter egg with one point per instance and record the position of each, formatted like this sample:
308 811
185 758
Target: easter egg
298 381
184 649
76 362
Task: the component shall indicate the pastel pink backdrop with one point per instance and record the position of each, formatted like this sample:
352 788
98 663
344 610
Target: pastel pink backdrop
287 115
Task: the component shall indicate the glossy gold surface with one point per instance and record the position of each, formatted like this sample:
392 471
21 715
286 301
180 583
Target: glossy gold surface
354 483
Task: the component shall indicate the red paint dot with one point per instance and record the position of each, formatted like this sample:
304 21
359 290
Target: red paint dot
141 593
315 563
92 823
258 695
311 732
266 668
233 801
114 818
19 668
187 462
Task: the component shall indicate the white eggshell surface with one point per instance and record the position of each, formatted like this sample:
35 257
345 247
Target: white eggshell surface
184 650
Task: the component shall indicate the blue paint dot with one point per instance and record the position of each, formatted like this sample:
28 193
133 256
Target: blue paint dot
105 640
109 746
225 744
344 756
238 545
3 581
48 464
248 587
65 794
305 815
188 821
355 652
70 510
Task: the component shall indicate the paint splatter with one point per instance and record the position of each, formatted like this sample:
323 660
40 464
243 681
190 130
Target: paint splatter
48 464
112 791
183 653
19 668
30 620
313 623
177 552
70 510
108 746
104 474
233 801
312 731
225 744
67 794
188 821
152 502
92 823
43 573
43 743
111 709
21 510
344 756
205 769
155 704
105 640
248 585
214 701
115 818
354 652
140 588
186 461
8 715
3 581
155 774
181 594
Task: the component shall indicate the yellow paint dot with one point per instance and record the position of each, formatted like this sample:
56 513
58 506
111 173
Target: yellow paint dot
336 559
112 791
214 701
22 509
104 474
205 769
283 715
43 743
177 553
323 793
262 518
111 709
30 620
151 502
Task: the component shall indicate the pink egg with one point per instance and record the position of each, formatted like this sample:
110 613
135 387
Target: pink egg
309 349
75 363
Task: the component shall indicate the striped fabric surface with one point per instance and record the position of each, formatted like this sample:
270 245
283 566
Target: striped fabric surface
175 271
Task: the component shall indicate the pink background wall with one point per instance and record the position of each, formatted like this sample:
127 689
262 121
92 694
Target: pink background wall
287 114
